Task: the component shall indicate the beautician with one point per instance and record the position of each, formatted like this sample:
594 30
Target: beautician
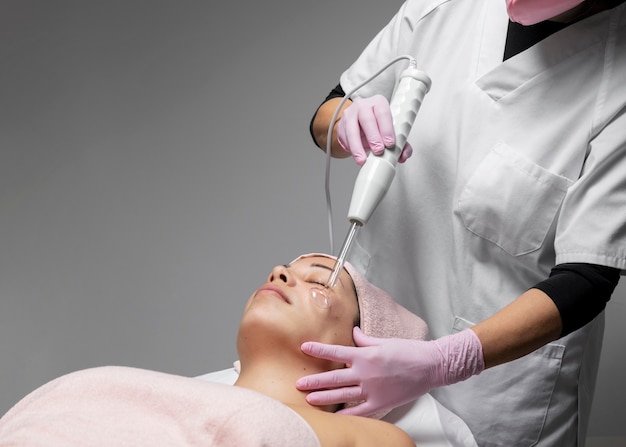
508 215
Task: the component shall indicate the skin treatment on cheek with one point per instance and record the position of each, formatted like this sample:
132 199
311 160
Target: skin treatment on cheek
223 227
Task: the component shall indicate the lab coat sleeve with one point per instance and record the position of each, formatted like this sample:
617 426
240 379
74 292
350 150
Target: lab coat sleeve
592 223
395 39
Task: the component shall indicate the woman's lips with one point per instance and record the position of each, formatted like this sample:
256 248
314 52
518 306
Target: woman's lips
274 290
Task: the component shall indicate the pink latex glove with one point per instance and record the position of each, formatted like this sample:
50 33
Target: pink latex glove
367 125
388 372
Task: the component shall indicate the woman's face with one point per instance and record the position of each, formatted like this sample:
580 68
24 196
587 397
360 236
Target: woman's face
286 304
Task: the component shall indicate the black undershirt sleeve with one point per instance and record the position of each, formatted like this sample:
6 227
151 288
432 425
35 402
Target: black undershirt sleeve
337 92
579 291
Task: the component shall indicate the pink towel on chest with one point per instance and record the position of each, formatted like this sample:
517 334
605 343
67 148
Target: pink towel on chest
119 406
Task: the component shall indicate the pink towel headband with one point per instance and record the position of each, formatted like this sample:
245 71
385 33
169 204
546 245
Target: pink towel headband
381 316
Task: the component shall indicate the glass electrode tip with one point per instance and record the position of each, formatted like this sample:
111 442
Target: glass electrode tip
341 259
321 297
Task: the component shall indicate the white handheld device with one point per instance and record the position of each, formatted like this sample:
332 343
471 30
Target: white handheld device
376 175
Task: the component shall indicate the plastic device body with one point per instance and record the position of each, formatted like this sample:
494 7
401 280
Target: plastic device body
376 175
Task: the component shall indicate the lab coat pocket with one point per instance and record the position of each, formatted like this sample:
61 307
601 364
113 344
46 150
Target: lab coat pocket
511 201
507 405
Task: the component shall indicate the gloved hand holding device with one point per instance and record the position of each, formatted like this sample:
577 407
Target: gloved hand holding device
383 374
367 125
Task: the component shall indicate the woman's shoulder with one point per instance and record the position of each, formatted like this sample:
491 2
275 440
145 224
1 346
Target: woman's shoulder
339 430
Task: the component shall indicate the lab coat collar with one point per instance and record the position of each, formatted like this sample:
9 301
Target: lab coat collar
497 78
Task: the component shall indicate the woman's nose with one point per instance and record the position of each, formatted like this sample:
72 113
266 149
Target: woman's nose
280 273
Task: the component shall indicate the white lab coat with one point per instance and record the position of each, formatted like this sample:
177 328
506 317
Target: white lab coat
517 166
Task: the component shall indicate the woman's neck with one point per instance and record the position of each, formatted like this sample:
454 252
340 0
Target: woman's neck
277 379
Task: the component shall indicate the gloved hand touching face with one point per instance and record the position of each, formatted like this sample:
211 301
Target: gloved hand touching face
385 373
367 125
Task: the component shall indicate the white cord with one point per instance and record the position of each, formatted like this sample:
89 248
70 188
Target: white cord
329 136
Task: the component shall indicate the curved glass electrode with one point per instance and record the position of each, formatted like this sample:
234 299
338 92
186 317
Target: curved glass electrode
321 297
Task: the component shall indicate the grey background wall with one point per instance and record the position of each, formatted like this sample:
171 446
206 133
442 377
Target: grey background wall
155 163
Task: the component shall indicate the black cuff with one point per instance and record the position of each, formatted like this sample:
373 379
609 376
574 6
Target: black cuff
579 291
337 92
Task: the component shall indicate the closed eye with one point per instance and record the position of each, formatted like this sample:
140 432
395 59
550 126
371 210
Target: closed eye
315 281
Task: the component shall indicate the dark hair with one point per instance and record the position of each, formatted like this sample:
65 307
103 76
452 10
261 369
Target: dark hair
357 319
